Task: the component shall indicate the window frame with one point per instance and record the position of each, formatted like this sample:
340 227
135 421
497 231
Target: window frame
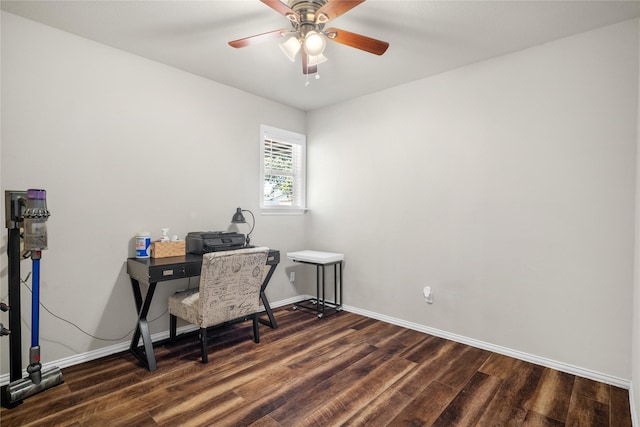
298 142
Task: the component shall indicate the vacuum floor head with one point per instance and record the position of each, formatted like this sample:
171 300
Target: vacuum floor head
13 393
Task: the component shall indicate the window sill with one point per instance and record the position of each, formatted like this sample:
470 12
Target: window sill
283 211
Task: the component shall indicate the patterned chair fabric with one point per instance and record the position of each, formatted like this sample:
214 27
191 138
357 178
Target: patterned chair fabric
229 290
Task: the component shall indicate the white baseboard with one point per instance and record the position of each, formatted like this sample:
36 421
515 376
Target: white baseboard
117 348
564 367
542 361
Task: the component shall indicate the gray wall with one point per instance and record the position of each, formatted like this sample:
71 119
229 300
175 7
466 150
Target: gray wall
508 186
123 144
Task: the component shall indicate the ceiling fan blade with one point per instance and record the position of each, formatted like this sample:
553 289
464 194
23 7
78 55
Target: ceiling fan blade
279 7
358 41
259 38
306 68
335 8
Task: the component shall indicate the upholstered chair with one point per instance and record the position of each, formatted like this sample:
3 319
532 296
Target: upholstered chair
229 290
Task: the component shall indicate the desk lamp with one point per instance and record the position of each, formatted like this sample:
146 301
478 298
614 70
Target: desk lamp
238 218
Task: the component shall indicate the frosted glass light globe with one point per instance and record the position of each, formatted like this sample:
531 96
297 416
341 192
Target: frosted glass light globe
314 43
291 48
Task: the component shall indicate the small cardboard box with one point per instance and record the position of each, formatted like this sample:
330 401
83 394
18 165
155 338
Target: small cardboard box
167 249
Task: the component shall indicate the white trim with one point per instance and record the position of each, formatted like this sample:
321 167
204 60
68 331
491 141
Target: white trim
560 366
123 346
564 367
298 142
634 414
280 211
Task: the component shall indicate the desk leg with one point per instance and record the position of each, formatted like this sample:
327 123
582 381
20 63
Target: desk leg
146 355
263 296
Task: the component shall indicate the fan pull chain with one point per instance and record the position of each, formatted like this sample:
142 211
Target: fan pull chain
307 82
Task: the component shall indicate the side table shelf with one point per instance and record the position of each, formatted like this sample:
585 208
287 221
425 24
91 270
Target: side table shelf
319 304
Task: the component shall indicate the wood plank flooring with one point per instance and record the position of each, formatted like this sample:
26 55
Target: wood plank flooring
343 370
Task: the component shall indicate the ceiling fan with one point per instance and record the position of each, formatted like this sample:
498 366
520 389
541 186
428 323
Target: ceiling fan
308 19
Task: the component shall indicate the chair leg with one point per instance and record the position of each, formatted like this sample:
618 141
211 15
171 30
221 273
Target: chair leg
256 330
172 327
203 344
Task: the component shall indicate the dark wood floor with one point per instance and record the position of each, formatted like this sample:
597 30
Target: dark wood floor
344 369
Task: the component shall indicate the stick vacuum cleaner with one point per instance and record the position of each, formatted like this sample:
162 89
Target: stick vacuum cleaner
30 213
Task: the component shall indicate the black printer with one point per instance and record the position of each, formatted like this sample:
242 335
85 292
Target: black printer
201 242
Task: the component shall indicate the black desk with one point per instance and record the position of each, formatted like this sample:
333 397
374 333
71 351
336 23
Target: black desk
150 271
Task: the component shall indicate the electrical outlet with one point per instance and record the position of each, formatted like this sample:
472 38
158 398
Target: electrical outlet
292 276
428 295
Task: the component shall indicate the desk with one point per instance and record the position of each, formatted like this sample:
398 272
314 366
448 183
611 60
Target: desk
321 260
150 271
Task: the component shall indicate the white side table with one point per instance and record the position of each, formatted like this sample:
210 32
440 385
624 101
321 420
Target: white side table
321 259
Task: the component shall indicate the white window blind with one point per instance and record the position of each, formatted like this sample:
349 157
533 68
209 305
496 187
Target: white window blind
283 163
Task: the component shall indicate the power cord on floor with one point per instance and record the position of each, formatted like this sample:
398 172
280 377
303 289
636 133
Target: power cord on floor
24 282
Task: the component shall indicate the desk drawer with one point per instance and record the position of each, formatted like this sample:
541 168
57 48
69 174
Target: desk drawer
167 272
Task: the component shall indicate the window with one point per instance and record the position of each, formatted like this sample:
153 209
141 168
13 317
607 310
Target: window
282 175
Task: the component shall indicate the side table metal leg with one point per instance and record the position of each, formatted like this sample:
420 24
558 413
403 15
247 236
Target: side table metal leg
323 294
341 282
335 285
317 287
319 303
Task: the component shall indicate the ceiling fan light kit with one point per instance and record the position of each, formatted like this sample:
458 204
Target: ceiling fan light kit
316 59
308 18
314 43
291 48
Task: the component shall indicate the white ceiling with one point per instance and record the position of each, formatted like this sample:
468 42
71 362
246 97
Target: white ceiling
426 38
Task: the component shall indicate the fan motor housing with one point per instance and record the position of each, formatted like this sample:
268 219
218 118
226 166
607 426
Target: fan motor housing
306 9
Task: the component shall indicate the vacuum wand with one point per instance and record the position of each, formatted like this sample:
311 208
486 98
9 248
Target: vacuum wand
35 367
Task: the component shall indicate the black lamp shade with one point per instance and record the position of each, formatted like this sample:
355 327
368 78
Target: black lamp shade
238 218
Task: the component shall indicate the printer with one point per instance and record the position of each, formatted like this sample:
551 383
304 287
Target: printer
201 242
